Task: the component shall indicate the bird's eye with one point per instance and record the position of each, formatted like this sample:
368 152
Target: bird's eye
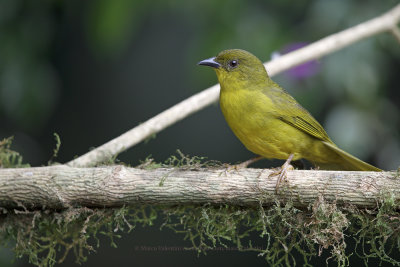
233 64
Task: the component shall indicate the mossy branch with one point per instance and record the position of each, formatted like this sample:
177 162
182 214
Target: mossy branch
115 186
386 22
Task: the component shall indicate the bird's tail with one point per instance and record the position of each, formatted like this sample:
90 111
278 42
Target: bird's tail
346 161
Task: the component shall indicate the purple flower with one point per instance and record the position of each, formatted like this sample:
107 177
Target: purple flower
304 70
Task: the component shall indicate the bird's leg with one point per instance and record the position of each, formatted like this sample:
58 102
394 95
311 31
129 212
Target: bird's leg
282 172
246 163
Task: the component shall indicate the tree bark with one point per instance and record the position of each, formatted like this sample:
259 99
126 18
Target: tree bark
62 186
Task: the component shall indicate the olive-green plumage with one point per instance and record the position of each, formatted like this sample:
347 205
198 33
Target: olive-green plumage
269 121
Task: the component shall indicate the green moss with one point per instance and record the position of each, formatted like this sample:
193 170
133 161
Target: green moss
181 161
279 232
46 238
56 149
376 232
10 158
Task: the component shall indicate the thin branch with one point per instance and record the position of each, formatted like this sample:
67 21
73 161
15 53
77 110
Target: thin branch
396 33
114 186
327 45
337 41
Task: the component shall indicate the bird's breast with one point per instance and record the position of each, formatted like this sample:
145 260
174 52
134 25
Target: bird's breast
249 115
252 116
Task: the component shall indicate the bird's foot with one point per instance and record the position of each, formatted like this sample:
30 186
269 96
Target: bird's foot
282 172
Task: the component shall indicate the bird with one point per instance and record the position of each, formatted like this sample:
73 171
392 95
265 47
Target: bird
269 121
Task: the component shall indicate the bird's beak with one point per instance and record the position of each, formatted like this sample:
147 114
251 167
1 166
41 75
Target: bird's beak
210 62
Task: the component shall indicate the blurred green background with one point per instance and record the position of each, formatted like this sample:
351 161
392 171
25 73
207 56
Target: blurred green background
91 70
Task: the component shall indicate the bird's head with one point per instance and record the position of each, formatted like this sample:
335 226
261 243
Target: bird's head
235 66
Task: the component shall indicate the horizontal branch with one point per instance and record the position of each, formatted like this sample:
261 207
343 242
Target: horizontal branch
114 186
327 45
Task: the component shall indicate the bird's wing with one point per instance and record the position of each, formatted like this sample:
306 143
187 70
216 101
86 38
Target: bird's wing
291 112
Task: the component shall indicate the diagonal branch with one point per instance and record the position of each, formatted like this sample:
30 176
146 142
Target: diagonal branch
396 33
386 22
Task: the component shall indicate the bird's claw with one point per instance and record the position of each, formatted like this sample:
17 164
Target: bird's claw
282 172
282 175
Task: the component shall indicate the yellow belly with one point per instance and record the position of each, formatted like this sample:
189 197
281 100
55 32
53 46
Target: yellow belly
252 118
